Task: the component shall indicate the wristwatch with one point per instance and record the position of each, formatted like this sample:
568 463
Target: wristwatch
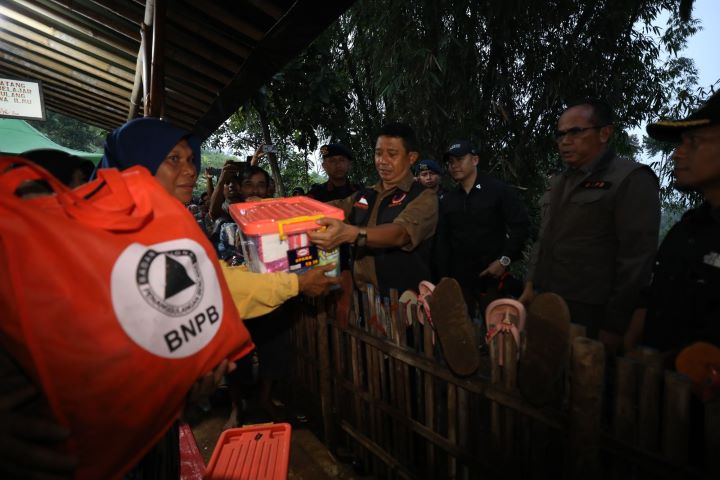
361 239
505 261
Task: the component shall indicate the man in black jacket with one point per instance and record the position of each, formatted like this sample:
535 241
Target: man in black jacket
483 226
682 304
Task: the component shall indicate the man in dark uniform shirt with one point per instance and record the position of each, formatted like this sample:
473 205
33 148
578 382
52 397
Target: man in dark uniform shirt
337 160
482 226
683 301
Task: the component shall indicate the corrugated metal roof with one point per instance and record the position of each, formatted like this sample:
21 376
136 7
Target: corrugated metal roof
217 53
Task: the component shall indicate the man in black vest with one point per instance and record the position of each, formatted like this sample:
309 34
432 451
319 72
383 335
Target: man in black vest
599 227
337 160
391 223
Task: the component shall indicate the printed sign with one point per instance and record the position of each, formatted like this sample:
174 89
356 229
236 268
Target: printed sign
21 99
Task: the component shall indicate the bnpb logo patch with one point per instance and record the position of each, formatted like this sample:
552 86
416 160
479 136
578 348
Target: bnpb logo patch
167 297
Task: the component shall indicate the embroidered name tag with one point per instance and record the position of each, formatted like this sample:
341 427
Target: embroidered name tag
397 200
712 259
597 184
361 203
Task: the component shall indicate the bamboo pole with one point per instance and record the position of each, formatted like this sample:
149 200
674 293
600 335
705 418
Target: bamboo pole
156 100
588 371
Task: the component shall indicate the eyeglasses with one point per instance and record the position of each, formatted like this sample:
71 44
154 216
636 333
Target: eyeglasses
574 132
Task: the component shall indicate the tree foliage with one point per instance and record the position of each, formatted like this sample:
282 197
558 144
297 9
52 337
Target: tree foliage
70 132
497 72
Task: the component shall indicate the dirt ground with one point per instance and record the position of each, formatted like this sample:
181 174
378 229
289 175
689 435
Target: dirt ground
309 459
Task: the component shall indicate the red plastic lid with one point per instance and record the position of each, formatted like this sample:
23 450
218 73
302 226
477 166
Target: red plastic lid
291 215
259 452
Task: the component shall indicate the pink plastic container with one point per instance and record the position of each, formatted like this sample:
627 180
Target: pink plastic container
258 452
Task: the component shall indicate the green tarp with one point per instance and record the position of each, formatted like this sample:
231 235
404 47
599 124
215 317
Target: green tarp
17 136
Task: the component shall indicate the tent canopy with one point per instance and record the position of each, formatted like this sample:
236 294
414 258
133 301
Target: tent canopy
17 136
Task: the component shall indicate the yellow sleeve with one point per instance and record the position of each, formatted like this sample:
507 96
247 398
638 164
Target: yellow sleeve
256 294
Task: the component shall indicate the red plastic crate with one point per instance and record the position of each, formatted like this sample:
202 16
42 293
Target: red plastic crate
258 452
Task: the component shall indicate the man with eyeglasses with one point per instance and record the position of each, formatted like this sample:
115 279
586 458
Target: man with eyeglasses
482 228
599 227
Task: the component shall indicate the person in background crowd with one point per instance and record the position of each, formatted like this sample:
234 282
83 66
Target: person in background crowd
71 170
483 227
391 224
255 184
228 189
337 159
599 226
222 233
429 175
682 304
297 192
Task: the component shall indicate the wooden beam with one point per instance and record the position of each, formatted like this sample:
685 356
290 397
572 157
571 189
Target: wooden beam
84 110
155 102
63 91
7 50
183 89
268 8
177 104
84 115
46 29
222 14
131 12
62 20
189 103
186 22
194 79
36 71
62 48
22 47
119 26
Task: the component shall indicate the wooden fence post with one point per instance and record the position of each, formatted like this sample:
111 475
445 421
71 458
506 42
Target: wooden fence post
323 343
649 403
712 438
676 416
586 399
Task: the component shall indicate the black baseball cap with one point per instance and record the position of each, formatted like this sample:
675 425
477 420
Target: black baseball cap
670 130
458 148
332 149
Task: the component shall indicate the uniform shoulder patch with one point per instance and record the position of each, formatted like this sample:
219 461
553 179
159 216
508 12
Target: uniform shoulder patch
596 184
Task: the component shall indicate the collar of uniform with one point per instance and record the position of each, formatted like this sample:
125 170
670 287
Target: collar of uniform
405 184
600 163
330 187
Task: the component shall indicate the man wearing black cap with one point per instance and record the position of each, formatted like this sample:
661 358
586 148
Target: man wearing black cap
483 226
429 175
599 226
336 162
683 301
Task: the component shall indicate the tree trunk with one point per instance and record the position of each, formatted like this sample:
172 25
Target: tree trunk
272 157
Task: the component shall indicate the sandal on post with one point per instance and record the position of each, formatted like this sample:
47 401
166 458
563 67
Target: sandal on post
408 302
547 346
454 328
504 315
